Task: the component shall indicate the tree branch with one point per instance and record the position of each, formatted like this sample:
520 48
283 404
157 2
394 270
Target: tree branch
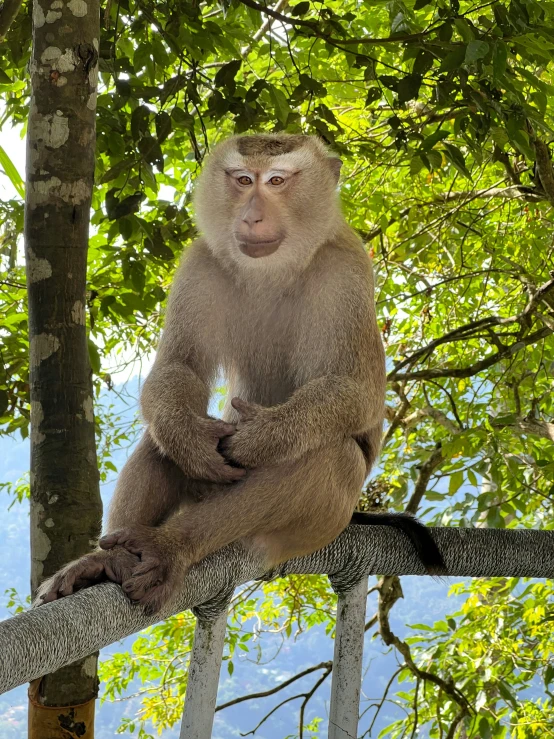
314 28
264 693
543 164
386 602
8 13
425 472
473 369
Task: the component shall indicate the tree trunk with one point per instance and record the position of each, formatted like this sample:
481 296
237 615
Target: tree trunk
66 508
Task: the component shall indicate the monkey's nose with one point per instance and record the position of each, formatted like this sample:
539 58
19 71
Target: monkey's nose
252 218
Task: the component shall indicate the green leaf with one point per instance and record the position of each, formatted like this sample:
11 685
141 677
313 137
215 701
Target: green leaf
225 77
163 125
116 170
423 62
389 81
455 482
11 172
159 249
499 58
373 94
453 60
300 9
416 165
499 136
520 139
151 151
476 50
280 103
456 158
421 4
94 356
140 118
484 728
433 139
408 87
4 402
464 29
506 693
434 158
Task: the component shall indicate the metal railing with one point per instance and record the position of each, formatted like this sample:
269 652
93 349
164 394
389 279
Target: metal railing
44 639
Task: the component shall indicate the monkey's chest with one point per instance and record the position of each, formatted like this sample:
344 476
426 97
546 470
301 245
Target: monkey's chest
260 363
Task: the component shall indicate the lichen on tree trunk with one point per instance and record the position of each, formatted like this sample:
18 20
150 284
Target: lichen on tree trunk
66 508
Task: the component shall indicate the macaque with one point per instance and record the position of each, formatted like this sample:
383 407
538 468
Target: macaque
278 294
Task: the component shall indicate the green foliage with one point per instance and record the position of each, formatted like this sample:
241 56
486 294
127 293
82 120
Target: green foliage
436 109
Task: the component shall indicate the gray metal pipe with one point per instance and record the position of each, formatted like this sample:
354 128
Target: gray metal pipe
347 663
43 639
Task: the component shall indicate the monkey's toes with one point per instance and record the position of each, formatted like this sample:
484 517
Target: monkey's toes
138 585
75 576
121 565
156 598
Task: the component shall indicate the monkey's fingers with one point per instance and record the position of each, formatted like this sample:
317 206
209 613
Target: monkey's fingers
221 470
217 429
128 538
247 410
221 429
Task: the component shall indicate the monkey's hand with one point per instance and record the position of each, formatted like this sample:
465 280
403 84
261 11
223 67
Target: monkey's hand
255 441
90 569
194 447
163 563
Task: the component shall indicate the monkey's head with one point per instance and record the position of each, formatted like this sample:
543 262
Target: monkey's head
268 201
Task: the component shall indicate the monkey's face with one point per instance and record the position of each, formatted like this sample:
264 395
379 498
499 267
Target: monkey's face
268 200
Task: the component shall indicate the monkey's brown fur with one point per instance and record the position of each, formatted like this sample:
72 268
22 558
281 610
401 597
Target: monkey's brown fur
279 294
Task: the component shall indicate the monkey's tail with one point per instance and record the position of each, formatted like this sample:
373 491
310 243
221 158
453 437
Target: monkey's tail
417 533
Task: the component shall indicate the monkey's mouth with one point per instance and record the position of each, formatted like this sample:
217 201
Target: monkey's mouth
257 249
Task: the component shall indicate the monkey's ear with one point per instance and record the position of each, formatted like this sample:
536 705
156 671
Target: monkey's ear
335 164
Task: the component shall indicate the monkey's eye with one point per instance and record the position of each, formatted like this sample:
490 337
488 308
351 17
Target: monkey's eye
276 180
244 180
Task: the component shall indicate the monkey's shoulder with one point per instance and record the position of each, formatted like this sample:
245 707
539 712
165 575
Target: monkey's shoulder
198 267
343 259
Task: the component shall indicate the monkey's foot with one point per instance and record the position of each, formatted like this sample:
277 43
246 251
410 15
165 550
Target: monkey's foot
153 580
115 565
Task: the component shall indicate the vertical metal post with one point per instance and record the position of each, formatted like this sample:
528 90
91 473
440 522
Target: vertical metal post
205 665
347 663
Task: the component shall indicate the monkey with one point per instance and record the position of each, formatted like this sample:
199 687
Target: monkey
278 292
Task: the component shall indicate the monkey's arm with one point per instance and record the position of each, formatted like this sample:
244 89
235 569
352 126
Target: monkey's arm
347 400
317 414
175 395
174 405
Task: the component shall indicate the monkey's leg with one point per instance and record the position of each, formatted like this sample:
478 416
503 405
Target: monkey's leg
150 487
283 511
